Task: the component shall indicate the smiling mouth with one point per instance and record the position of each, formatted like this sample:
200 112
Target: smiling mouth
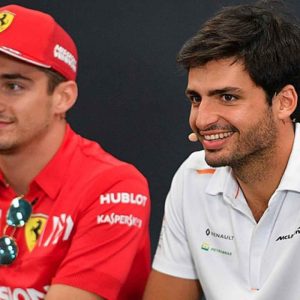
218 136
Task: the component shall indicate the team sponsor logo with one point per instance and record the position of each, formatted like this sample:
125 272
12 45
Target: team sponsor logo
6 19
113 219
7 293
61 229
219 235
127 198
33 229
65 56
206 247
220 251
288 236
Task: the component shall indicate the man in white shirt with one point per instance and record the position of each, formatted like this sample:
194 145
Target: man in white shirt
231 225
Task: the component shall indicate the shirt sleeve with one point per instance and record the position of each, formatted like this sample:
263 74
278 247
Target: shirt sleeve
173 255
110 248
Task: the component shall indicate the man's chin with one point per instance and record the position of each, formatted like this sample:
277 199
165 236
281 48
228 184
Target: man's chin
6 148
216 162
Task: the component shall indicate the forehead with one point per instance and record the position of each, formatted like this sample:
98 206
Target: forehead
12 65
218 74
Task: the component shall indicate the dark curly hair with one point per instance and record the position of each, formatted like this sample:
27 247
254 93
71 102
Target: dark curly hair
261 36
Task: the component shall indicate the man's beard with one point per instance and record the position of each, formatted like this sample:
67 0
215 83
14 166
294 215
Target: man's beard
253 146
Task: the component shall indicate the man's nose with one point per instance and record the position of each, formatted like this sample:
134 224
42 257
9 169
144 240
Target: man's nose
206 114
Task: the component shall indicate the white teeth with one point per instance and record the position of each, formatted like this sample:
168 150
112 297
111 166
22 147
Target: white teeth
213 137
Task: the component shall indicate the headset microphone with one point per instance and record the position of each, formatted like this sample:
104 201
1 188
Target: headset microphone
193 137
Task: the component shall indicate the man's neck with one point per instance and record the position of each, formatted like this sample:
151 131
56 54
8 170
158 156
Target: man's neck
259 178
21 167
259 189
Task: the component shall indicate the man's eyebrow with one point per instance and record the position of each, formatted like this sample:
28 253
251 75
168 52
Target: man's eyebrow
14 76
225 90
189 92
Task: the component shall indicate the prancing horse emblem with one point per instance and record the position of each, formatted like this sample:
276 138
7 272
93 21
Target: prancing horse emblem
6 19
33 229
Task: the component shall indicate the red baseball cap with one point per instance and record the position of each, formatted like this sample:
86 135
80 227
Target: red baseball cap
35 37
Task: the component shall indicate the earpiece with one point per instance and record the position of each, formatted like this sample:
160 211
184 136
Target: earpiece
193 137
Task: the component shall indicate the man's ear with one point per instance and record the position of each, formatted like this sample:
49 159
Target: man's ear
286 102
65 95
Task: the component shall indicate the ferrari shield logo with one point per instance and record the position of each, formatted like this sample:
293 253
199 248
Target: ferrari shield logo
6 18
33 229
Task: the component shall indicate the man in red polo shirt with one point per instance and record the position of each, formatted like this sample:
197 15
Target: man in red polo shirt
74 219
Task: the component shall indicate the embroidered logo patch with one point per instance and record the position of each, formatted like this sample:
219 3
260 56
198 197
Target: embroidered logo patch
6 19
205 246
33 229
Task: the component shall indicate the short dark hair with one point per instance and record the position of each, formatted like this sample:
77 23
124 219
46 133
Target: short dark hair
54 79
265 41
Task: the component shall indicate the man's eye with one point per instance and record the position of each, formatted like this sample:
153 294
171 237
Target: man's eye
11 86
228 97
195 99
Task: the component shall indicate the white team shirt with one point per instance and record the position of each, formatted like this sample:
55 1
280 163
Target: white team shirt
210 234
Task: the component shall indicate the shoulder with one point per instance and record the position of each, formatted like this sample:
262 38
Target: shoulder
195 176
194 164
95 162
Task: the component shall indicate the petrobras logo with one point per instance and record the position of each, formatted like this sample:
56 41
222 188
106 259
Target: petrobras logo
65 56
205 246
7 293
112 219
208 248
127 198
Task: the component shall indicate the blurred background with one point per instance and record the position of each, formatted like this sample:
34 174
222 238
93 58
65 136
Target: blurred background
131 92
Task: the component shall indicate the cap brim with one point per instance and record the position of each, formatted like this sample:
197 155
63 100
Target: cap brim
22 57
